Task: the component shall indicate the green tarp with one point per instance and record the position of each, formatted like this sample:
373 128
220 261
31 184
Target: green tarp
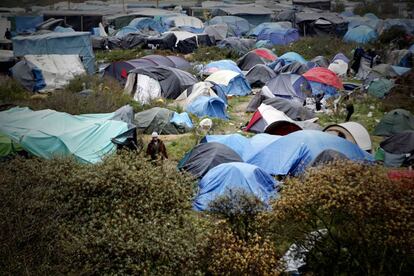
395 121
48 133
381 87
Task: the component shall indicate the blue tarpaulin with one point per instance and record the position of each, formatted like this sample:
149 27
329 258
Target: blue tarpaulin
236 142
224 64
182 119
67 43
48 133
146 23
292 153
361 34
232 178
279 36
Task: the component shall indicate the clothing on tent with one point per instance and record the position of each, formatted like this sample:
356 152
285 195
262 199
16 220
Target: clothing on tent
234 178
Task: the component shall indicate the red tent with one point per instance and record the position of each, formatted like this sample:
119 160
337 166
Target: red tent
265 53
325 76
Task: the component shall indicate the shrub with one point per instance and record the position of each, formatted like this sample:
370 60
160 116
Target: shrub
207 54
339 6
122 216
368 218
392 34
11 91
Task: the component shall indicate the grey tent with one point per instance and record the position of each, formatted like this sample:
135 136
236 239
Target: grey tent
206 156
321 61
25 73
293 68
398 149
240 46
259 75
172 81
314 23
289 86
328 156
218 31
294 109
249 60
395 121
157 119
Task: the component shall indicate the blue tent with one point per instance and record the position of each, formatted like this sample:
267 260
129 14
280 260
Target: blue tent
234 177
237 26
208 106
235 141
229 83
67 43
292 153
278 36
321 88
224 64
361 34
181 119
411 49
27 24
259 28
290 57
126 30
146 23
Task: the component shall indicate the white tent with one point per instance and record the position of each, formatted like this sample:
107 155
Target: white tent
199 89
146 88
57 70
353 132
222 77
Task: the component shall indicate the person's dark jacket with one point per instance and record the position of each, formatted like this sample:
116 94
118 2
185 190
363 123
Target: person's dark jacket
156 148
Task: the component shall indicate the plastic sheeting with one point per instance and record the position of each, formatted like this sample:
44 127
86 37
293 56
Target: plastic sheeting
182 119
48 133
27 24
234 178
237 26
292 153
70 43
361 34
235 141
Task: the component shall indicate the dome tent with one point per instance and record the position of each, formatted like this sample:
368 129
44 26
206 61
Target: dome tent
235 141
230 83
234 177
259 75
191 93
218 65
206 156
288 86
208 106
394 122
361 34
237 26
353 132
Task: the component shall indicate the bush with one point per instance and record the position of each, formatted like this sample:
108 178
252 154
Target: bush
122 216
339 6
392 35
207 54
11 91
368 218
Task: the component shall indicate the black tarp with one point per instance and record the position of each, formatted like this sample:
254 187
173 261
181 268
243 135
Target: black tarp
206 156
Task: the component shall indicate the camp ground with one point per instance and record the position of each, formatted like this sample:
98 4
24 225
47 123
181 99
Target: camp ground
249 99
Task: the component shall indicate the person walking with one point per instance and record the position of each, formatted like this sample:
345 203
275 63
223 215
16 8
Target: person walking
156 148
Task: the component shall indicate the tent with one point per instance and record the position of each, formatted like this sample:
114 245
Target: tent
361 35
292 153
353 132
294 109
267 119
278 36
325 76
231 83
235 141
160 120
290 86
240 46
126 30
68 43
203 157
47 72
254 14
259 75
187 42
218 31
208 106
48 133
342 57
380 87
398 149
144 24
26 23
249 60
339 67
269 25
291 68
237 26
193 23
218 65
320 61
320 23
316 4
326 157
172 81
120 69
290 57
394 122
265 53
8 146
402 58
191 93
234 177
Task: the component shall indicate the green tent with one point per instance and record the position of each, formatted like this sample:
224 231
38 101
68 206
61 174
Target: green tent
380 87
157 119
395 121
7 146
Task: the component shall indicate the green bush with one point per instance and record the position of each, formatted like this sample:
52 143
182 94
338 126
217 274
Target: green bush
392 34
368 218
11 91
207 54
122 216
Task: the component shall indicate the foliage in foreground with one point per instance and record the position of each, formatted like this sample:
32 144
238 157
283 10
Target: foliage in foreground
121 216
369 220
